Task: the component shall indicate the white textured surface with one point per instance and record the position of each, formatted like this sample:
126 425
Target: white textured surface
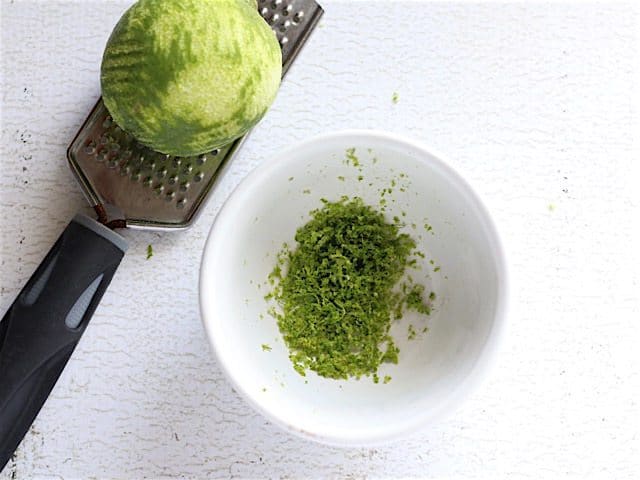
533 104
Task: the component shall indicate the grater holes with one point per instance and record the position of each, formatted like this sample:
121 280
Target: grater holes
101 156
170 195
276 3
286 11
264 11
215 152
161 173
297 18
90 148
149 165
172 179
140 159
187 169
158 189
181 203
147 182
116 134
198 177
184 186
135 176
284 41
108 121
201 160
163 163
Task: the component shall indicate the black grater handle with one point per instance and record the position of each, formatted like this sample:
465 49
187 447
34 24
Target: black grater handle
45 322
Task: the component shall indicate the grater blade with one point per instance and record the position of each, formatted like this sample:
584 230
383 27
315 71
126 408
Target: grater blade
163 192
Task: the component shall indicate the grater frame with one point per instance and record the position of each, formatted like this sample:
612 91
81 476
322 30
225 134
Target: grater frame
154 191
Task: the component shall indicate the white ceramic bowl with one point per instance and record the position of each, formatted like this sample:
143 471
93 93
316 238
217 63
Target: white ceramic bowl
436 369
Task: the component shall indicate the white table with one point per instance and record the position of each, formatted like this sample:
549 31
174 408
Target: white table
531 103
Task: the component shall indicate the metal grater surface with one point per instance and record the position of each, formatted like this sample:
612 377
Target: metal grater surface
157 191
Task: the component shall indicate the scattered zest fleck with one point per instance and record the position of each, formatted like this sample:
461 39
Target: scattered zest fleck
352 159
266 348
411 333
149 251
395 97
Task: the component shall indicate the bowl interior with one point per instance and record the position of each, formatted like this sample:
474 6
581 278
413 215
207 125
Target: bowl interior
463 266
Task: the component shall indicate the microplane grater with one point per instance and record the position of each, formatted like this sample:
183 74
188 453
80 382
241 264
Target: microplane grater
41 328
152 190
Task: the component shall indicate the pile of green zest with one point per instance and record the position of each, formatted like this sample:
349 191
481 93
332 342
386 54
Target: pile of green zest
338 290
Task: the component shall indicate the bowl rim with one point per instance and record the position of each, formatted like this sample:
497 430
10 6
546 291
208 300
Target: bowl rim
488 354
